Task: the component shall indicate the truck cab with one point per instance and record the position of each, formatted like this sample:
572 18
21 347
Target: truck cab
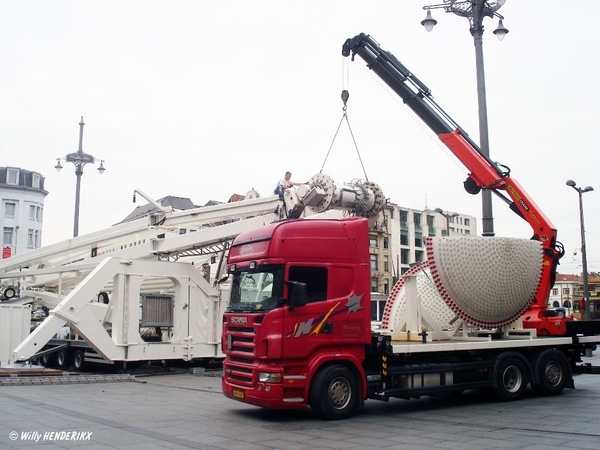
300 298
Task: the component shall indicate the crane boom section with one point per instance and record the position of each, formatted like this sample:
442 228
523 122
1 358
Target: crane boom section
484 173
485 176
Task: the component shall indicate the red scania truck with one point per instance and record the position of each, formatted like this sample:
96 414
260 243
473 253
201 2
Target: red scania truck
297 332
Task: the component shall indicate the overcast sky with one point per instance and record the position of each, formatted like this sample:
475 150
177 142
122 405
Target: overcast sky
206 99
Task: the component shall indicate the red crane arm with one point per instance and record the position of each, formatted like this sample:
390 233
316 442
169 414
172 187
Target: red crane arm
484 173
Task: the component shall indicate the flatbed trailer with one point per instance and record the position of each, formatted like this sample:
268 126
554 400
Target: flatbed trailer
505 363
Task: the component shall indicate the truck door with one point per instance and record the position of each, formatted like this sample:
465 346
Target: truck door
333 315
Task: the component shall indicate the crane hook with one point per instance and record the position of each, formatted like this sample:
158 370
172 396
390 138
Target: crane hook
345 96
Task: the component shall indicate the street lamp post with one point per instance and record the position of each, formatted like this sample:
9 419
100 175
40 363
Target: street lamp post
447 215
79 159
586 293
475 11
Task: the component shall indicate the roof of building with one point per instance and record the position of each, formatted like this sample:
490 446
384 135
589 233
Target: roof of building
568 278
23 179
177 203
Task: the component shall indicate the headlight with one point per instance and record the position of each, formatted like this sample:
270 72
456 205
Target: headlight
269 377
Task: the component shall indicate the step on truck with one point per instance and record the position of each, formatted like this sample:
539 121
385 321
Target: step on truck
297 331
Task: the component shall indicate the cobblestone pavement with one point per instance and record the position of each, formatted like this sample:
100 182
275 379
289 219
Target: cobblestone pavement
188 411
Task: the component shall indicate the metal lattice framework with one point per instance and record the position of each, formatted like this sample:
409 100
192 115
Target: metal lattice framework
465 8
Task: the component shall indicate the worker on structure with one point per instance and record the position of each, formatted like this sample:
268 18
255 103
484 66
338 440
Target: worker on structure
284 184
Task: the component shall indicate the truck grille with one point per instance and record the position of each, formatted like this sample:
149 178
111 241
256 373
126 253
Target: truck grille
241 355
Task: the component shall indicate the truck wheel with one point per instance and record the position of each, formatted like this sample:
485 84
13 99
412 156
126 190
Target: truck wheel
48 360
333 392
78 359
62 358
552 371
510 376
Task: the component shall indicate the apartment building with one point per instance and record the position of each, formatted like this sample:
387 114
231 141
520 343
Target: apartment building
21 214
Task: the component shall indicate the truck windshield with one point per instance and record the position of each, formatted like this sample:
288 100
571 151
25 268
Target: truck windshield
253 290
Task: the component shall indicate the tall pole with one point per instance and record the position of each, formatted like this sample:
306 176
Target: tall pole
475 11
78 174
79 160
586 292
587 315
477 32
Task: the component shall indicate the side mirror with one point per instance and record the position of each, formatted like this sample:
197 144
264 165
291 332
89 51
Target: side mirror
298 294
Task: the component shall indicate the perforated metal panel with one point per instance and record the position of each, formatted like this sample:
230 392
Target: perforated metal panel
487 282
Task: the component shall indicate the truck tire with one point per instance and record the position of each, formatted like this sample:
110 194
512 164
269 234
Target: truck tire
49 360
551 372
333 392
510 378
62 358
78 359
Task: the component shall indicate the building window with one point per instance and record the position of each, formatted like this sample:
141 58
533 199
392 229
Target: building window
404 256
36 240
30 238
36 180
374 282
31 212
555 291
12 176
7 237
403 217
566 291
9 209
386 263
419 255
386 243
417 220
377 308
467 222
418 239
403 237
372 242
374 265
38 214
386 287
430 226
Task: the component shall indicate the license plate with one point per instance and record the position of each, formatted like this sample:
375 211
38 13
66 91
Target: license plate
238 393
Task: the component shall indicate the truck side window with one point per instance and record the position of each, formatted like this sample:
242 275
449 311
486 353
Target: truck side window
315 279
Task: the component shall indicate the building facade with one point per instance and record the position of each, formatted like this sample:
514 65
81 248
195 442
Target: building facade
397 240
22 210
565 290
